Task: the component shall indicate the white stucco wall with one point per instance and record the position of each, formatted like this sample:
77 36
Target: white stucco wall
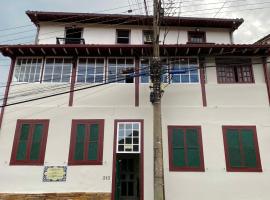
102 34
228 104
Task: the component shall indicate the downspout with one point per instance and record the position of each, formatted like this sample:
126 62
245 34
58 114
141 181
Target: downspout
37 34
10 75
231 37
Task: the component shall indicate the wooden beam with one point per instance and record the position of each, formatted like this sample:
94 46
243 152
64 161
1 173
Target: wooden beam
187 51
87 51
98 51
76 50
10 51
43 51
142 51
221 51
199 50
32 51
21 51
256 50
210 51
54 51
64 49
244 51
110 51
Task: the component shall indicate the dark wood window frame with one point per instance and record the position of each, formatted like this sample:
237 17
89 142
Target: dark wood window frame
238 75
229 168
27 161
99 160
147 32
170 146
199 33
129 34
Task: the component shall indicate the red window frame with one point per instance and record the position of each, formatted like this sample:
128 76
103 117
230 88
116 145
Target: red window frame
16 141
99 161
192 169
196 33
226 150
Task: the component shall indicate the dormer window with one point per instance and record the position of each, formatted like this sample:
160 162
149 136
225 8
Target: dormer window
148 37
73 35
196 37
122 36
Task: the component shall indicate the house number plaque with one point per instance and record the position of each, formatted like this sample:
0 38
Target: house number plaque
54 174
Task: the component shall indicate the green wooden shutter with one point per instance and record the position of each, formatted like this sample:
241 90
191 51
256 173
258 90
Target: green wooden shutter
22 146
248 148
178 150
93 142
79 145
233 143
193 148
36 142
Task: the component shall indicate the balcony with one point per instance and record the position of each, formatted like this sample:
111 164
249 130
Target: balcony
70 40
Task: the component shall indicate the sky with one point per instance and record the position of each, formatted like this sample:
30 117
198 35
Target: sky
12 17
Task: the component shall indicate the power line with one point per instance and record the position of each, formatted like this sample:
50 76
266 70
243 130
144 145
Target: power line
66 92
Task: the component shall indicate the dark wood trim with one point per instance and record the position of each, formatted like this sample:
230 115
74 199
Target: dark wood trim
9 81
266 77
32 122
196 32
87 122
228 65
137 82
129 49
187 169
202 80
42 69
141 157
258 168
72 82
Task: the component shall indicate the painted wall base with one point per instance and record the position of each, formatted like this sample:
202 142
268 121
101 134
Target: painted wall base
58 196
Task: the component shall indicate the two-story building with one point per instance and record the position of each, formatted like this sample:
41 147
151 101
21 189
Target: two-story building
74 126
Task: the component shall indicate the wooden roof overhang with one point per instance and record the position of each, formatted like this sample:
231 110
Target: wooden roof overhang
200 50
124 19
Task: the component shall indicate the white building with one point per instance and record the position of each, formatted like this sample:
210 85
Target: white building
59 110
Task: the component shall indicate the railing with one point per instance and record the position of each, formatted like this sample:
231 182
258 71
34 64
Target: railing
70 40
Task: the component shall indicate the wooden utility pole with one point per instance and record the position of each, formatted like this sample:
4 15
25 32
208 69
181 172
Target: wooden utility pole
155 96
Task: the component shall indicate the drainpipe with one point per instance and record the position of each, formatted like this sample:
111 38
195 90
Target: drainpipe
231 37
37 34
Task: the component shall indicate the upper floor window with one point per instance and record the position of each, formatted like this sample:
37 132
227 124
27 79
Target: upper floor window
147 36
73 35
117 67
29 142
91 70
86 143
28 70
196 37
57 70
122 36
145 70
234 71
241 148
185 148
184 70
